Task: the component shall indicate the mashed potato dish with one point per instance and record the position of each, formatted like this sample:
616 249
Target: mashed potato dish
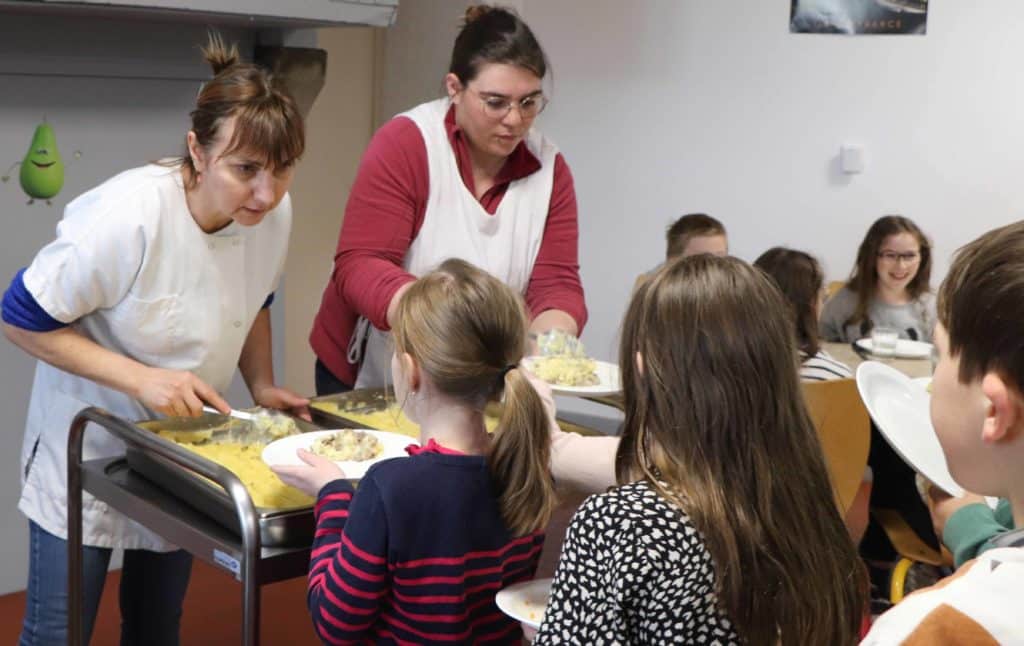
348 446
566 370
390 419
271 425
243 460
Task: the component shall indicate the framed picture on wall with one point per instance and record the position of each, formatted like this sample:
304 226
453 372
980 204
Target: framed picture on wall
858 17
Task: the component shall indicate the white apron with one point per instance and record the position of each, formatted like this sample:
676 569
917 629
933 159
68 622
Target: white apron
136 275
456 225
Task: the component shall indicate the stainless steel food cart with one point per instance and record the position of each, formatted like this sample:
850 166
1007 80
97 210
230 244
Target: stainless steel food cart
199 505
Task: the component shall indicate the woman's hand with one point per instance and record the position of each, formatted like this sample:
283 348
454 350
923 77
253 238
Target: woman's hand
282 399
177 393
310 477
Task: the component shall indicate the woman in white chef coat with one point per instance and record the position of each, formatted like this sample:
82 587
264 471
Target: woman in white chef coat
156 287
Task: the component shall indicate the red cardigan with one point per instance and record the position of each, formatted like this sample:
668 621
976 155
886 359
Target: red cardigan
384 212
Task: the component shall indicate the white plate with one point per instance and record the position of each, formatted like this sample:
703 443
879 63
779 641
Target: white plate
525 602
610 381
900 409
282 451
905 348
923 383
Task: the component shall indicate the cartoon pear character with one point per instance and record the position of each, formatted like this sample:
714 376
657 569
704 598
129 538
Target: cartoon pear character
42 170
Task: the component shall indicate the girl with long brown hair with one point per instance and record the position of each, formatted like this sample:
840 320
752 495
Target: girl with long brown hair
724 527
889 286
418 552
156 288
799 277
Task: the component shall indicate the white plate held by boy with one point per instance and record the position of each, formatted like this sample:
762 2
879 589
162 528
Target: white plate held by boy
901 410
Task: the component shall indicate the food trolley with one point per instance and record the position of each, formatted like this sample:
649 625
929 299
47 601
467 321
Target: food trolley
200 505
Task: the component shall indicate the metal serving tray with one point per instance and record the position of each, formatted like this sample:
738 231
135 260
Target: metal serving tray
278 527
371 400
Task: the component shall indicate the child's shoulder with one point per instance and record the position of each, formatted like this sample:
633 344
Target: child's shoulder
636 513
980 599
406 475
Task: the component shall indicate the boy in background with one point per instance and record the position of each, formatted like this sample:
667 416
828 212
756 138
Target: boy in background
696 233
977 410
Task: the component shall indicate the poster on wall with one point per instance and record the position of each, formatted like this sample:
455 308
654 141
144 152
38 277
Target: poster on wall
858 17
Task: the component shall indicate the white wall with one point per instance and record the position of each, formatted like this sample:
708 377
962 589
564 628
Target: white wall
670 106
338 129
414 53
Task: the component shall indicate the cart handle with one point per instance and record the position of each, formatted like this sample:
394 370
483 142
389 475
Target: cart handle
132 434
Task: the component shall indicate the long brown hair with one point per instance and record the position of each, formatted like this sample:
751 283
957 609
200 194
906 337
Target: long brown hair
716 423
467 331
268 121
800 279
864 278
495 35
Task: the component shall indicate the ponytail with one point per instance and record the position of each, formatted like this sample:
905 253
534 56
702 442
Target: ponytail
519 457
467 331
218 54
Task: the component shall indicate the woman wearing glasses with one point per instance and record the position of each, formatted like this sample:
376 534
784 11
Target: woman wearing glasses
888 287
465 176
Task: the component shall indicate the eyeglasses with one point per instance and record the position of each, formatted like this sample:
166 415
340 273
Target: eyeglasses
909 257
497 107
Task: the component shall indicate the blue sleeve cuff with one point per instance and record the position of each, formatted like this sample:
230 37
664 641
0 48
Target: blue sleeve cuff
266 303
20 308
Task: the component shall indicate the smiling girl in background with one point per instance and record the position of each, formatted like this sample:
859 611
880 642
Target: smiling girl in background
889 286
156 288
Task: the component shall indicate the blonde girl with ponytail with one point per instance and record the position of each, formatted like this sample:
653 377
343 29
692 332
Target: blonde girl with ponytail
419 551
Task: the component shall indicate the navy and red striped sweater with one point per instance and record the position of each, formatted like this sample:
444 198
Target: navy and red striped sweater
416 555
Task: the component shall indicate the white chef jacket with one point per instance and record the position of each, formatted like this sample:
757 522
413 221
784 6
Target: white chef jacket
131 270
456 225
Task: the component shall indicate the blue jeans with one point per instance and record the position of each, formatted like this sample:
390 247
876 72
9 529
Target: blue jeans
153 586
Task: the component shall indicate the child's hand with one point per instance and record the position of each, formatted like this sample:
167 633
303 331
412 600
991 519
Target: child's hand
311 477
942 506
543 389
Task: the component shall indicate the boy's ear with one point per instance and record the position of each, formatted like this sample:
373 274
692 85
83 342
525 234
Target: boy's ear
1005 409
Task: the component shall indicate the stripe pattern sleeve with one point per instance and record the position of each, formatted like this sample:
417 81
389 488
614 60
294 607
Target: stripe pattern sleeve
348 575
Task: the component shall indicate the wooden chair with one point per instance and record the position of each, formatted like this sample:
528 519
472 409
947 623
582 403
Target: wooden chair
845 432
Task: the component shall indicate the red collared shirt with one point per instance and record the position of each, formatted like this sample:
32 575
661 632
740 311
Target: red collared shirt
384 213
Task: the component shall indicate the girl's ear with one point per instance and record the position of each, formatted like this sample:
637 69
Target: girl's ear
639 364
195 151
411 370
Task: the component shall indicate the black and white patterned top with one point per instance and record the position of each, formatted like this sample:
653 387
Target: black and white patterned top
634 570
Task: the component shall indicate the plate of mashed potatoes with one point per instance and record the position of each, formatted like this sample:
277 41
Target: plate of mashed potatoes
571 375
354 450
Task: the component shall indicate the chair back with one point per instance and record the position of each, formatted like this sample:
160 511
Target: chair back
844 429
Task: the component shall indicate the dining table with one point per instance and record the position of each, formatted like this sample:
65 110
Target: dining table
845 352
